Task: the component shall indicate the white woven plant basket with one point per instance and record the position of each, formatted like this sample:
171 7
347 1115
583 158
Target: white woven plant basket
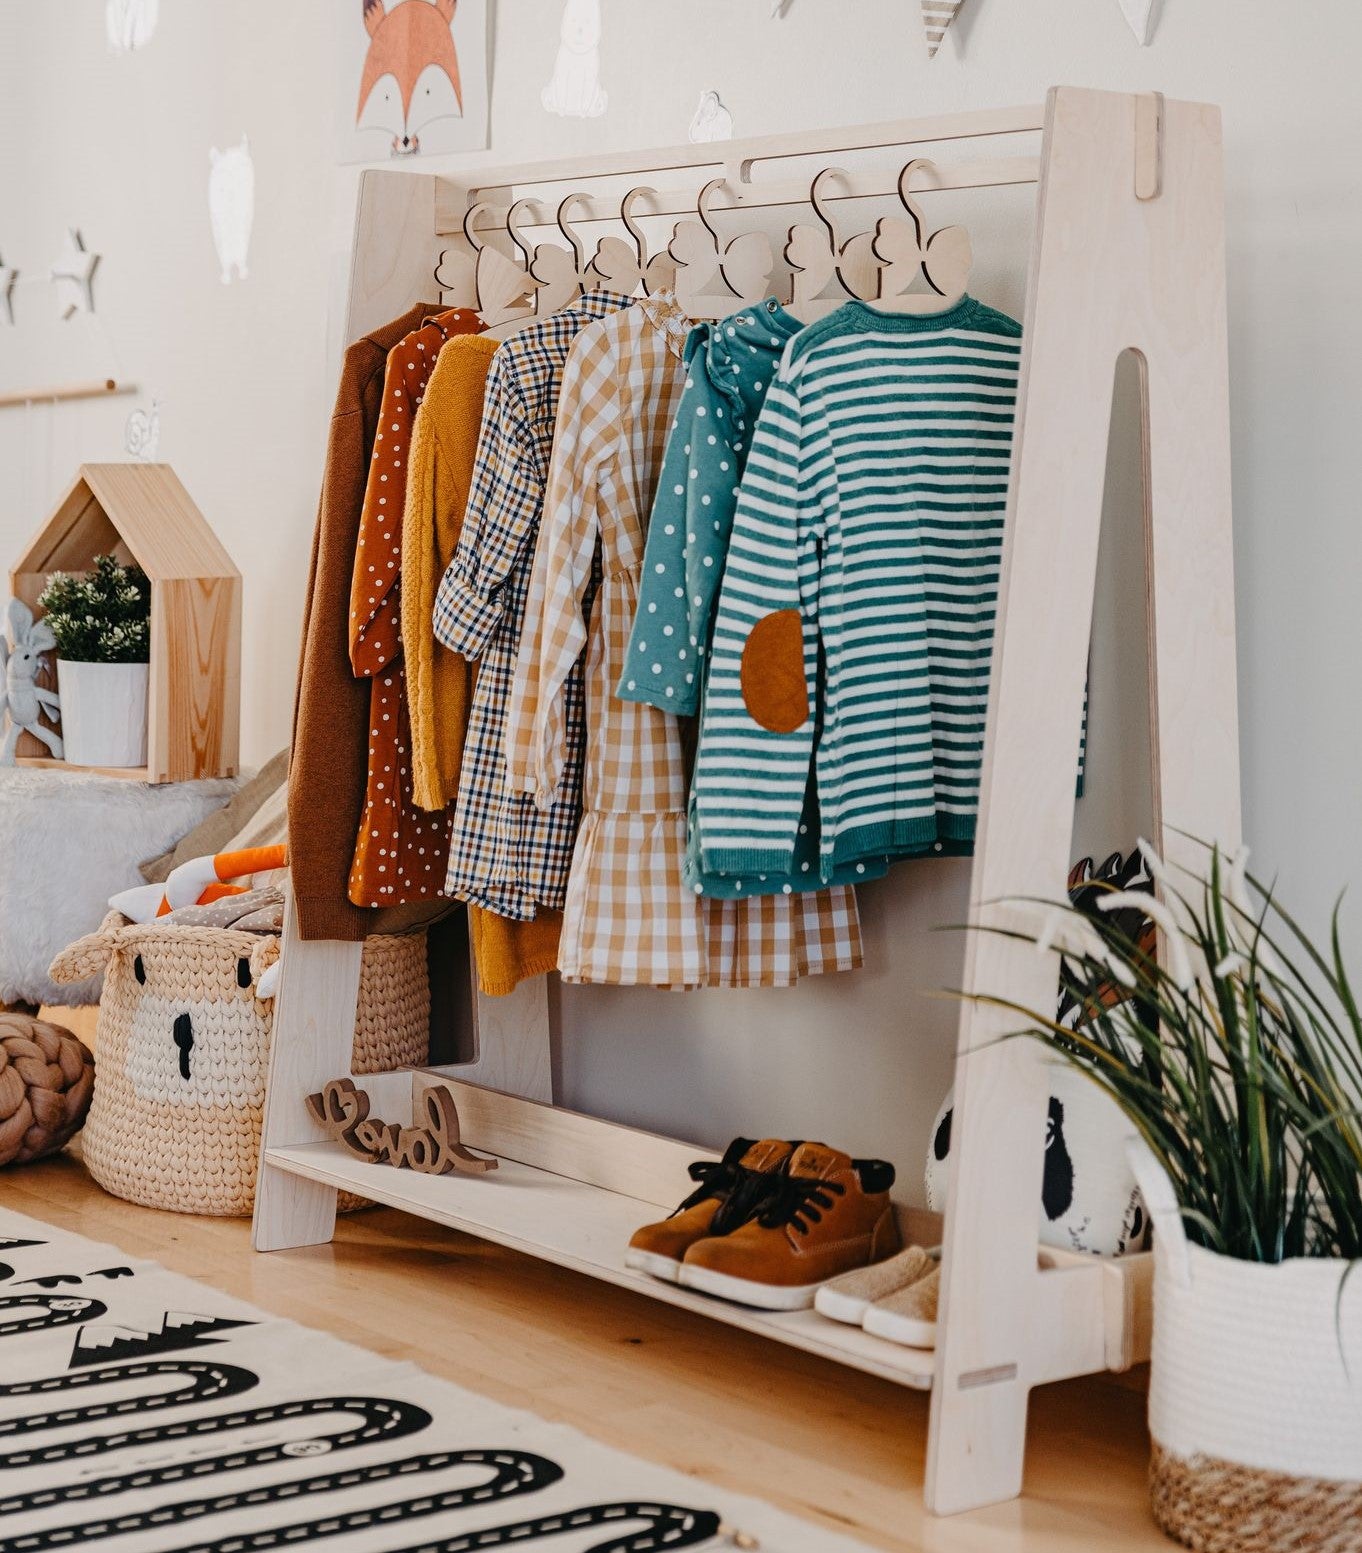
183 1048
1255 1397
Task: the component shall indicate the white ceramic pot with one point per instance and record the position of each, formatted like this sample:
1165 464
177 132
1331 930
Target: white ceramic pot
103 712
1255 1396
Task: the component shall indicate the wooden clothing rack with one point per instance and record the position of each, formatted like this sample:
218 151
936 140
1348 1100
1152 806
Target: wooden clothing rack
1128 255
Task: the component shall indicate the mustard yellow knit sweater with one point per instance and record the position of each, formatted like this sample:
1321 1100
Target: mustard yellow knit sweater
440 682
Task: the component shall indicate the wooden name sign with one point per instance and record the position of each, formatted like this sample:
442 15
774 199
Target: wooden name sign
431 1145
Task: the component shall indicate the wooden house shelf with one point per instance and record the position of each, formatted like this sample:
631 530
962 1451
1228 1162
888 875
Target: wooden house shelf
142 513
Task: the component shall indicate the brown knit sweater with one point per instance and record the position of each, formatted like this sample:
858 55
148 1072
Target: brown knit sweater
331 714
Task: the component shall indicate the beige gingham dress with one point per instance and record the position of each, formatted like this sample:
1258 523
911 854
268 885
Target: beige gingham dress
629 918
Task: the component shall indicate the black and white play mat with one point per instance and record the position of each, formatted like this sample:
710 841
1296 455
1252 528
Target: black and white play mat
142 1412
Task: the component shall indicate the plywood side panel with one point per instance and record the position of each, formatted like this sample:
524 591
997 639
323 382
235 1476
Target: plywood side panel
194 696
392 266
1111 272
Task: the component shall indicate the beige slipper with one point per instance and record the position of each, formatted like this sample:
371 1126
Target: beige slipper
908 1316
848 1297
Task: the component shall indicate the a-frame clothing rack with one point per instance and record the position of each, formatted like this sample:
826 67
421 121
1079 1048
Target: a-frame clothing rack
1128 254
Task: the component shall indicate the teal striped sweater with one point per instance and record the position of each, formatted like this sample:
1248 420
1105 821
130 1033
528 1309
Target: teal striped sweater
873 505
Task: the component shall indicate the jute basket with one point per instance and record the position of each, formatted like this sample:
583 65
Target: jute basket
183 1049
1255 1397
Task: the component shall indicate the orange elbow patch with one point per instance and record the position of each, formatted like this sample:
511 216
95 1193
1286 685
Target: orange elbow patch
773 687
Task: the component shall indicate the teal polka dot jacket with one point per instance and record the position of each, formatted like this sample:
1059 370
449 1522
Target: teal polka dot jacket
729 367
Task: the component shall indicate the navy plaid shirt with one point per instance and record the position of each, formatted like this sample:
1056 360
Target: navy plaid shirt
505 854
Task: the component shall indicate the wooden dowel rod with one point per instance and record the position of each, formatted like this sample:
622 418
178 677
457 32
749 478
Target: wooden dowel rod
99 390
735 196
746 154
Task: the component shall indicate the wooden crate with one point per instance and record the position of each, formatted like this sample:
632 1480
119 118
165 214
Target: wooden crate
141 513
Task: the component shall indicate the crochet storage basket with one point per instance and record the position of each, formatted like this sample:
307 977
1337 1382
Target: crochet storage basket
183 1051
1255 1396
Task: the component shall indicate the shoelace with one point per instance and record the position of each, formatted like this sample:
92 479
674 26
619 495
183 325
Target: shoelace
743 1192
799 1201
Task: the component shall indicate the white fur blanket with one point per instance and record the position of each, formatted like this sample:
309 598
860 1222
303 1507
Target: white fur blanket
69 840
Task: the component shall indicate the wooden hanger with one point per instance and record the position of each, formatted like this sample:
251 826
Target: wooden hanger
503 287
712 276
559 270
622 266
944 259
820 260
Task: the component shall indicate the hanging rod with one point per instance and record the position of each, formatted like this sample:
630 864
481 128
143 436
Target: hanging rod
994 173
767 148
98 390
734 158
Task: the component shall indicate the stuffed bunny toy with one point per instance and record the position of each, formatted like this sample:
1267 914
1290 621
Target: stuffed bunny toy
24 700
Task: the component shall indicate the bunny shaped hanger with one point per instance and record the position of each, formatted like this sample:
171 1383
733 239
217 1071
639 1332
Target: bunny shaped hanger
943 260
820 260
711 277
503 286
558 270
24 699
622 265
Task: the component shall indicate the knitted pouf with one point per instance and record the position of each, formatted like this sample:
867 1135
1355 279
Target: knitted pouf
183 1046
46 1077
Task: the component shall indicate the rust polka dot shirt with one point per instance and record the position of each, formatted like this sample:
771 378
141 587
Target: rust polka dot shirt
401 851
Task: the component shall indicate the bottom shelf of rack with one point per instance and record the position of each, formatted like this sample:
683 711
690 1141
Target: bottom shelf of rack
585 1228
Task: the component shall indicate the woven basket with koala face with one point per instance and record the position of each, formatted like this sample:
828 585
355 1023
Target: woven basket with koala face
183 1047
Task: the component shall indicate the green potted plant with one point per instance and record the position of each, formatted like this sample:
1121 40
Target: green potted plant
1236 1058
102 625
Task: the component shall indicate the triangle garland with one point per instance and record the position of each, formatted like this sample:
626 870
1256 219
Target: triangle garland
937 16
1140 14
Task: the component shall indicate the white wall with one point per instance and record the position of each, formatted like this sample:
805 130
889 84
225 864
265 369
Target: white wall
120 146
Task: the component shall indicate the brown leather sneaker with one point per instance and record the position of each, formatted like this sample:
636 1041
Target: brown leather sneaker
730 1191
827 1214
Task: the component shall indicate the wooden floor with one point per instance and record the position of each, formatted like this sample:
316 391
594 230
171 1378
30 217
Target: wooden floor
823 1442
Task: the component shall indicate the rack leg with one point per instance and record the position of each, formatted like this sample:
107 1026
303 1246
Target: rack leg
314 1037
1112 270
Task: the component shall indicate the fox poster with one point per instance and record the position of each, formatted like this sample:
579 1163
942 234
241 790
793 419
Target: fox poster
416 78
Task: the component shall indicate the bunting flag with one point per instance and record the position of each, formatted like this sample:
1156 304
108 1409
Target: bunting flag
1139 13
937 15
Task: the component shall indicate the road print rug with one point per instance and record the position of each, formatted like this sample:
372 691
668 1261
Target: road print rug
142 1412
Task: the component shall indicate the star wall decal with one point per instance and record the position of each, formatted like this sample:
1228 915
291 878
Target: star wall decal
8 277
73 272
